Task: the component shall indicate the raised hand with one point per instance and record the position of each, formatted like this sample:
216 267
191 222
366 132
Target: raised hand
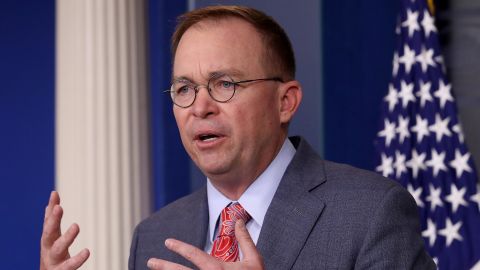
54 253
252 260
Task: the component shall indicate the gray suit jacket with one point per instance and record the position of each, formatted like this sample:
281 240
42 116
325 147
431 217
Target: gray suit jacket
323 216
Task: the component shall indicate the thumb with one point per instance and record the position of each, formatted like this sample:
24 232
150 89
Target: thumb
245 242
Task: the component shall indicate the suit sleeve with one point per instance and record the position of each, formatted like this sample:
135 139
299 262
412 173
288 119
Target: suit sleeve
393 240
133 250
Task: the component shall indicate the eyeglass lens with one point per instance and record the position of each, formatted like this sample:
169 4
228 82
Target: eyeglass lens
221 88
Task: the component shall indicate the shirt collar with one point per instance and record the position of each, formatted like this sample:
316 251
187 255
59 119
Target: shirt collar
258 196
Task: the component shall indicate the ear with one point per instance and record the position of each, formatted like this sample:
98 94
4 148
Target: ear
290 97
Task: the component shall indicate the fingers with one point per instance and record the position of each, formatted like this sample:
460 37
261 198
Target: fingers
59 249
51 226
51 223
54 245
76 261
247 245
244 240
198 257
53 200
157 264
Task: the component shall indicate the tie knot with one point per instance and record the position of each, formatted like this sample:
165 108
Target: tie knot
230 215
225 247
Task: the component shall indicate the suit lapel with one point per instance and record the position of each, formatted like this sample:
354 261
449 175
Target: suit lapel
294 210
192 228
197 232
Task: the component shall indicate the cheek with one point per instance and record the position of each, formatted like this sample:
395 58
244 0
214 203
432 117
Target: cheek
241 119
181 120
256 121
268 111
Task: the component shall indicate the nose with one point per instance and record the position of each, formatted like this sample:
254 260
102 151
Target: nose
204 104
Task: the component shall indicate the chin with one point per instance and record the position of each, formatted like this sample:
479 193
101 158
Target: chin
212 170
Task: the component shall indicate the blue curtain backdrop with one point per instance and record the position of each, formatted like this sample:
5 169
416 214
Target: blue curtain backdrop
27 39
358 40
171 164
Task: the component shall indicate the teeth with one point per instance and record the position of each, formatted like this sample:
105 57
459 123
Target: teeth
208 137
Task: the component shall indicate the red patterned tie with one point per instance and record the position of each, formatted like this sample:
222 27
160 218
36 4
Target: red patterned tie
225 247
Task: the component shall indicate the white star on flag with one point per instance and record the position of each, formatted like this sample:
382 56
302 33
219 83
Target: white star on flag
416 194
408 58
399 164
417 163
424 93
443 93
441 62
455 198
476 266
458 129
450 232
440 127
476 197
428 24
411 22
388 132
395 64
437 162
434 197
392 97
402 128
421 128
430 232
460 163
425 59
386 166
406 93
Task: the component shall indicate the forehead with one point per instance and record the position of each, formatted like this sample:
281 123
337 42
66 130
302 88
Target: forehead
217 45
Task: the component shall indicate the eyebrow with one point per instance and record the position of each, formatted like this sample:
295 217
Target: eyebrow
229 71
233 72
181 78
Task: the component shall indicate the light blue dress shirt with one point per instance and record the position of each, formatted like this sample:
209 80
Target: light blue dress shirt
255 200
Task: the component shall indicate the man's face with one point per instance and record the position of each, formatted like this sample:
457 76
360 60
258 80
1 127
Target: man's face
239 138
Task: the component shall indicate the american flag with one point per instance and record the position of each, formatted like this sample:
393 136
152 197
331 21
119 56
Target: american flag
421 143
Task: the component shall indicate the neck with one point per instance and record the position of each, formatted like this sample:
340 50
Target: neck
234 191
234 184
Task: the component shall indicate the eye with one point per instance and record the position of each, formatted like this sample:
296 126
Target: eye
183 90
223 84
226 84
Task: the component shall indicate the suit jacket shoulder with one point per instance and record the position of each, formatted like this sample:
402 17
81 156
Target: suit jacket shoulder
326 215
185 219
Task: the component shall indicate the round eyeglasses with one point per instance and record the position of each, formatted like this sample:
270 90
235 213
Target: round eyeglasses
221 88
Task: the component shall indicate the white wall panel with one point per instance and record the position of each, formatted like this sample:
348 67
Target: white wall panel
102 141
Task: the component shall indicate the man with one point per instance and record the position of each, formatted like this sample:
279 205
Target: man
234 95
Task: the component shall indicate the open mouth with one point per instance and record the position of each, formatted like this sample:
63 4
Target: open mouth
207 137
